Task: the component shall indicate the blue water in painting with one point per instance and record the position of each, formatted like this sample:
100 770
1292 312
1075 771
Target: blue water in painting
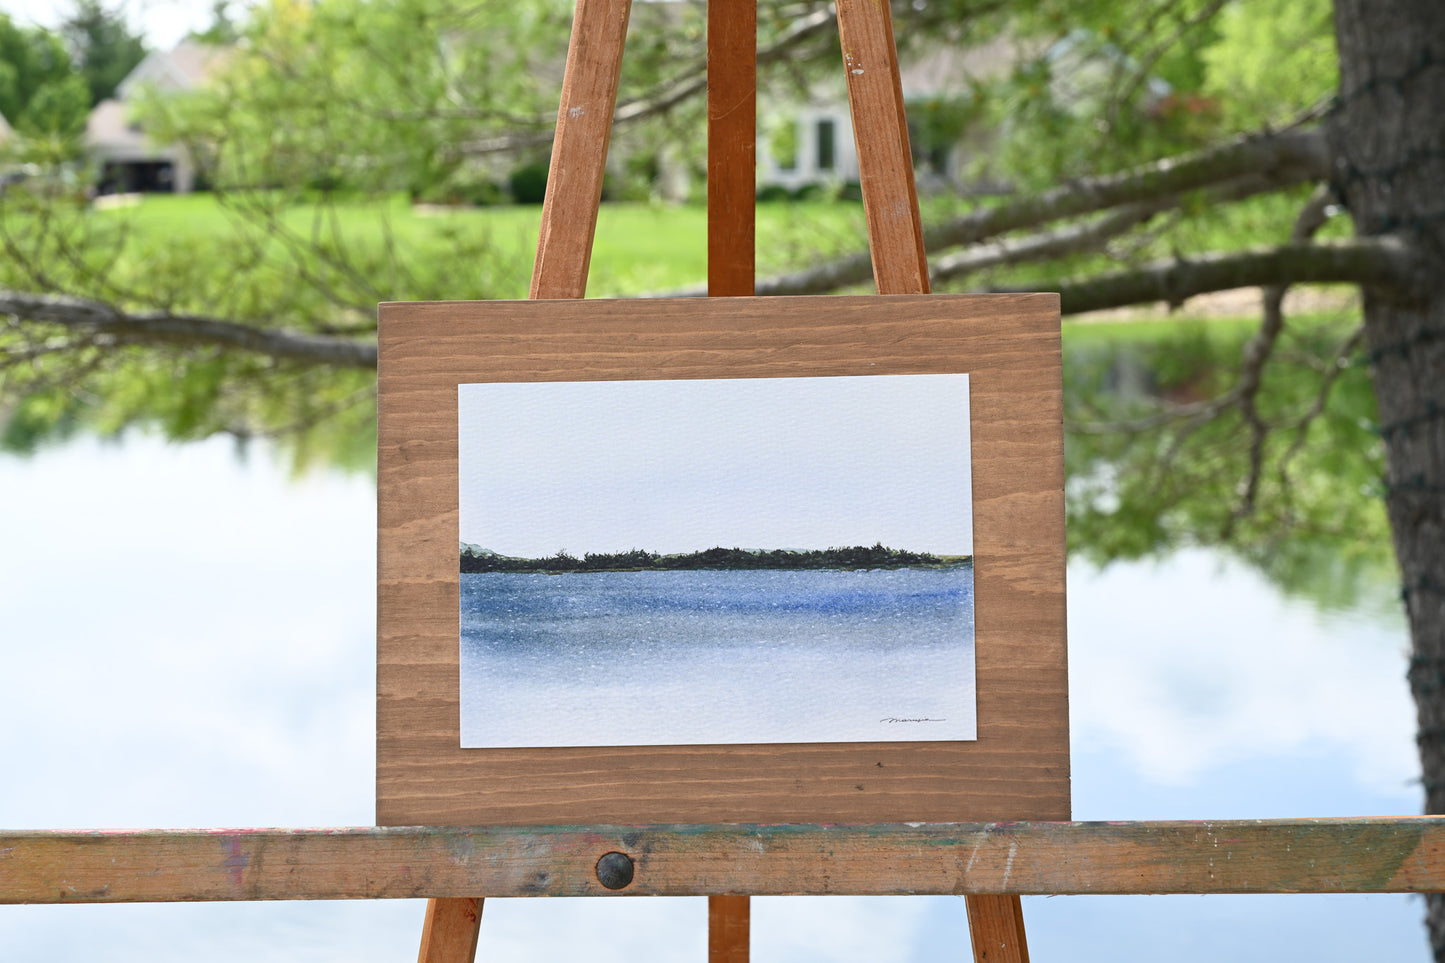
716 657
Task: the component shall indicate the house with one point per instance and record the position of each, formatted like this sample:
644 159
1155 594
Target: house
127 159
811 143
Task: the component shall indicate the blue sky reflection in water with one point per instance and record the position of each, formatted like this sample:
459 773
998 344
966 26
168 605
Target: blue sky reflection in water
189 641
716 657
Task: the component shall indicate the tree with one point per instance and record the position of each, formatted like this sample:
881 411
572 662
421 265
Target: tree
104 48
39 94
223 30
1387 171
1156 152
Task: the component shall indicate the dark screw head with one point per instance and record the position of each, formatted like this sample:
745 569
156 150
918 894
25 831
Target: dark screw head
614 870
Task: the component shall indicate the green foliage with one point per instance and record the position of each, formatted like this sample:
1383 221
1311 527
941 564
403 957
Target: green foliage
1272 60
40 95
463 187
103 46
307 263
1150 471
223 29
783 142
325 94
936 123
528 183
322 127
309 266
1099 86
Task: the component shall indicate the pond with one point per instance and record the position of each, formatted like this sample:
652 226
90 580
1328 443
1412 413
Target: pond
189 641
704 657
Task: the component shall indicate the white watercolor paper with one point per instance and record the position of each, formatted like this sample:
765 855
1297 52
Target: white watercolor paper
806 649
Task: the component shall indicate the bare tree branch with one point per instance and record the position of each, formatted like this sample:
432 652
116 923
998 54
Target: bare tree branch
1382 261
1272 160
1337 366
1076 238
97 317
1287 157
690 83
1258 351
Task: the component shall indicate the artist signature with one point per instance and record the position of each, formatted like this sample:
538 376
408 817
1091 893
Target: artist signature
892 719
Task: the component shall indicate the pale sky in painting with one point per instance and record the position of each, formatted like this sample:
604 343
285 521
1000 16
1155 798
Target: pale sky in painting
678 466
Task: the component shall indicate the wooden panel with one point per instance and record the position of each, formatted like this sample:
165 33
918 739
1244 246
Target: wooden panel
880 133
450 932
1019 766
1400 855
732 62
579 151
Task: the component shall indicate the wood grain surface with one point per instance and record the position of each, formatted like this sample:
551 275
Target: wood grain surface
729 929
996 929
451 930
1009 344
732 137
1396 855
880 135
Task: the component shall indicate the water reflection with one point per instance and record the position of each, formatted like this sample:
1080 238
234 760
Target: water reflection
195 638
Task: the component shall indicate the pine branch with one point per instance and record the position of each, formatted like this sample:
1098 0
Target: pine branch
156 328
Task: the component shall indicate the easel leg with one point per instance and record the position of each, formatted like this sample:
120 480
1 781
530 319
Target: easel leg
579 151
900 266
728 929
996 927
450 932
732 58
564 251
885 162
732 74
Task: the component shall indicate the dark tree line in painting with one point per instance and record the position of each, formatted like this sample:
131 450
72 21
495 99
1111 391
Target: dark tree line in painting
720 559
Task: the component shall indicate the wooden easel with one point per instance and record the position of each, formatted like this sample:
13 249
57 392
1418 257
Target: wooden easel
564 252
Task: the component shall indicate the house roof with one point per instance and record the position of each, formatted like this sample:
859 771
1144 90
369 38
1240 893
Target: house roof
184 67
942 68
109 130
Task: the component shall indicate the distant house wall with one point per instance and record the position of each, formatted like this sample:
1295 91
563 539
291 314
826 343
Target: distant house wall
807 145
128 161
822 120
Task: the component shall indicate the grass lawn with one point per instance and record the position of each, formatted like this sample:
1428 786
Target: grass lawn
639 247
387 250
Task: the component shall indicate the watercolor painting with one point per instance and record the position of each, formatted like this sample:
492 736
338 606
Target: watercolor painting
716 562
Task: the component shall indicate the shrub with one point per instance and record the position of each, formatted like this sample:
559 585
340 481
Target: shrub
528 183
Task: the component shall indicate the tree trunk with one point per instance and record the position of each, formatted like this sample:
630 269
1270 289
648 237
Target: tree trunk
1387 140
